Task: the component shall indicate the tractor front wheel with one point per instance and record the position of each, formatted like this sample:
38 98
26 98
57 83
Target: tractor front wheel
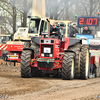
68 66
25 63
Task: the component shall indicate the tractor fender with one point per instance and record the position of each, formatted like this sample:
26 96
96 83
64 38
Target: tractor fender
29 49
70 51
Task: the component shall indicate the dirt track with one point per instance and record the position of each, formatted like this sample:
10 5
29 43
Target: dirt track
46 88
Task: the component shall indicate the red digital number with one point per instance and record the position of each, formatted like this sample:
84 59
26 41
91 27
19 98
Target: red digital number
81 21
89 21
96 20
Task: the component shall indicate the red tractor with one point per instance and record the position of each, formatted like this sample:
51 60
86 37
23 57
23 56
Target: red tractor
57 56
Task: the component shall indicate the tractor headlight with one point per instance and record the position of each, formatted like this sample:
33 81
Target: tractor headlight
50 55
42 54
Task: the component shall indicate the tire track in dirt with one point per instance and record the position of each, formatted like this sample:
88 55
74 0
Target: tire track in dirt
12 84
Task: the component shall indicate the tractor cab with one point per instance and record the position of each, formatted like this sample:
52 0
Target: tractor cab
62 27
36 25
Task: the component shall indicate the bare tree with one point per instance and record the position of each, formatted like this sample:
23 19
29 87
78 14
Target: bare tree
14 12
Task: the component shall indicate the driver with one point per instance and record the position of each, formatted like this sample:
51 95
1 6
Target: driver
54 30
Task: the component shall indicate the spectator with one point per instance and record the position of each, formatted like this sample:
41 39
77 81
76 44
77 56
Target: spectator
73 31
86 30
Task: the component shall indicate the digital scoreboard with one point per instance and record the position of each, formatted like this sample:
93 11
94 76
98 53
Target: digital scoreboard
88 21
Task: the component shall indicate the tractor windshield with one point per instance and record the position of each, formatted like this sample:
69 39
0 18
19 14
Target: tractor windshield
45 27
57 29
34 25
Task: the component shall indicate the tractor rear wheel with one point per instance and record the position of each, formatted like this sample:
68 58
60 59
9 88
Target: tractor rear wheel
78 45
25 63
84 62
77 65
76 49
68 66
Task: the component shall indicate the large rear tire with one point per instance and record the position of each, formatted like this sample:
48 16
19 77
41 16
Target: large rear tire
68 66
76 48
84 62
25 63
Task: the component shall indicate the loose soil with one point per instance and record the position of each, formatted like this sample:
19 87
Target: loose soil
45 88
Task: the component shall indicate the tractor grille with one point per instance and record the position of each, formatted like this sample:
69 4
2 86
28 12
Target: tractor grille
49 49
43 63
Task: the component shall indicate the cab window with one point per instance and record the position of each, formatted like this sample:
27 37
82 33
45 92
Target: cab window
34 25
46 27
